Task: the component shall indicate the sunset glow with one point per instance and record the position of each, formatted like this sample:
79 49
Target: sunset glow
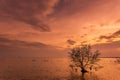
51 27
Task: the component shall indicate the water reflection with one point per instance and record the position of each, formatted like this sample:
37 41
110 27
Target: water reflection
77 75
50 69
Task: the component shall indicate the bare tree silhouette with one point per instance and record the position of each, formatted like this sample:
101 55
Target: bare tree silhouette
82 57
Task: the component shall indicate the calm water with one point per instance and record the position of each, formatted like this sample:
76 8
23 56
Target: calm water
53 69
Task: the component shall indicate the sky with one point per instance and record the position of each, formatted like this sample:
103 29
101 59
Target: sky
49 28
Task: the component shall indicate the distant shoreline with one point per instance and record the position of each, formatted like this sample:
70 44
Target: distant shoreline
51 57
109 57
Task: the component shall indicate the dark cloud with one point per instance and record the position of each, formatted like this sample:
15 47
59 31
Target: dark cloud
111 49
31 12
19 43
83 36
117 33
112 36
71 42
106 37
70 7
14 48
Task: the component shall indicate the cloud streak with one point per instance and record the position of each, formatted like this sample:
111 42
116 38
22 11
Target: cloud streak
111 49
19 43
112 36
71 42
70 7
10 48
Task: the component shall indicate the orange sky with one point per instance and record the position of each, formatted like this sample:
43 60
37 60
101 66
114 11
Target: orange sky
39 27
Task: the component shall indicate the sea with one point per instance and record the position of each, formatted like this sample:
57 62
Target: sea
47 68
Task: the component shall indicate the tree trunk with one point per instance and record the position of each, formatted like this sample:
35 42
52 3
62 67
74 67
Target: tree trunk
82 76
83 70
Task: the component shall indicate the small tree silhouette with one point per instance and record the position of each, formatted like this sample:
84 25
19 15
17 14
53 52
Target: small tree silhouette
84 58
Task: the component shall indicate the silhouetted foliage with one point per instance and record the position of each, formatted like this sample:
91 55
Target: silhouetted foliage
83 58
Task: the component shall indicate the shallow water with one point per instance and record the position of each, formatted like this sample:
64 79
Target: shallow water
36 68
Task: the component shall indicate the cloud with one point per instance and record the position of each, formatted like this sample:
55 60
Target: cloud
84 42
112 36
106 37
32 12
14 48
71 42
19 43
111 49
117 21
70 7
117 33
